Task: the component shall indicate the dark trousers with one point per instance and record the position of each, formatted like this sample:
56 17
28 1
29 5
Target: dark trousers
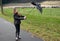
17 26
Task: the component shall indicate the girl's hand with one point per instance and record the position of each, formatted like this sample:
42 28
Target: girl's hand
24 17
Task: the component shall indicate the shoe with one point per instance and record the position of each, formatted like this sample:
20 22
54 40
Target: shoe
16 38
19 37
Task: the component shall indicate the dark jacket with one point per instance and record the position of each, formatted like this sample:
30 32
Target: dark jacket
18 18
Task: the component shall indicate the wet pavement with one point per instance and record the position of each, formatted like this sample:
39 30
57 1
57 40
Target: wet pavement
7 33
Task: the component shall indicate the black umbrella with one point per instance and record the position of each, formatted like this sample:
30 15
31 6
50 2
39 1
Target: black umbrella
38 6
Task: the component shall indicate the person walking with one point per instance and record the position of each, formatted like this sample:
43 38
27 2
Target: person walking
17 21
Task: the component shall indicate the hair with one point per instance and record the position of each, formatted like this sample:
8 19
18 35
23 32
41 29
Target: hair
15 10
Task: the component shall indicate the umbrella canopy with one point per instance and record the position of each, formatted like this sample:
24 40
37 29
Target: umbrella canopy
38 6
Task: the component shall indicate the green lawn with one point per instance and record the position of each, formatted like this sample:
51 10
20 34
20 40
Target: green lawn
45 25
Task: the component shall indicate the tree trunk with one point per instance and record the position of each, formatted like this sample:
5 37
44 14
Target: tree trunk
1 7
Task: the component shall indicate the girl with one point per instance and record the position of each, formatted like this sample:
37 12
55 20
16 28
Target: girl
17 22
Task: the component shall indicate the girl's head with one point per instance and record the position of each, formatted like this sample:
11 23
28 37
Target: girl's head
15 11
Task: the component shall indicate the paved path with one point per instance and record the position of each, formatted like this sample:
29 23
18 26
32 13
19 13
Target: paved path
7 33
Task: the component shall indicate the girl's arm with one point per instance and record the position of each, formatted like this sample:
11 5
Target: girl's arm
20 17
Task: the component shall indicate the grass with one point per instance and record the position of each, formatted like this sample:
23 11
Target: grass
45 25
